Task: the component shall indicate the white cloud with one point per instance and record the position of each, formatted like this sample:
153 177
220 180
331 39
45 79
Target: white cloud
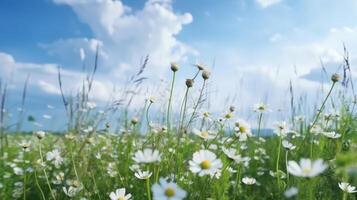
127 36
267 3
44 77
276 37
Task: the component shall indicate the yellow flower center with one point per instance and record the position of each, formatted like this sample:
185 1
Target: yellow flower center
206 164
204 134
242 129
169 192
306 170
121 198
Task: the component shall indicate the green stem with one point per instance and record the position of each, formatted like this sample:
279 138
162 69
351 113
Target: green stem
148 188
39 187
197 103
318 115
169 104
147 117
73 163
286 164
277 163
24 187
344 197
183 111
260 122
46 176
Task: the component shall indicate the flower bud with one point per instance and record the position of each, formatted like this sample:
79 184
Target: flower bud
189 82
200 66
174 67
206 74
232 109
152 99
40 134
335 77
134 120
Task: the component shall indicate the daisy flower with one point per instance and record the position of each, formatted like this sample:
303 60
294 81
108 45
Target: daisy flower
332 134
281 129
143 174
306 167
55 157
40 134
260 108
249 180
147 156
346 187
206 135
205 162
165 190
287 145
242 130
290 192
25 145
119 194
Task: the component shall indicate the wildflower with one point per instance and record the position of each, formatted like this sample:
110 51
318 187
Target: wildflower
165 190
71 191
204 134
134 121
316 129
346 187
25 144
189 82
260 108
281 129
206 74
293 191
147 156
143 174
335 77
119 194
40 134
174 67
205 162
111 169
55 157
287 145
249 180
231 153
242 130
307 168
151 99
200 67
332 135
18 171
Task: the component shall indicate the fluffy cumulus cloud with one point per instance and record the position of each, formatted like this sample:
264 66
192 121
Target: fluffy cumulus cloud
127 35
43 78
267 3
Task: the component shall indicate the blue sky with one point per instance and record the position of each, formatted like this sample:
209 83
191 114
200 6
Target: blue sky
257 46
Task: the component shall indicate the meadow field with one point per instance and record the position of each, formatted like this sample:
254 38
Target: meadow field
192 154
